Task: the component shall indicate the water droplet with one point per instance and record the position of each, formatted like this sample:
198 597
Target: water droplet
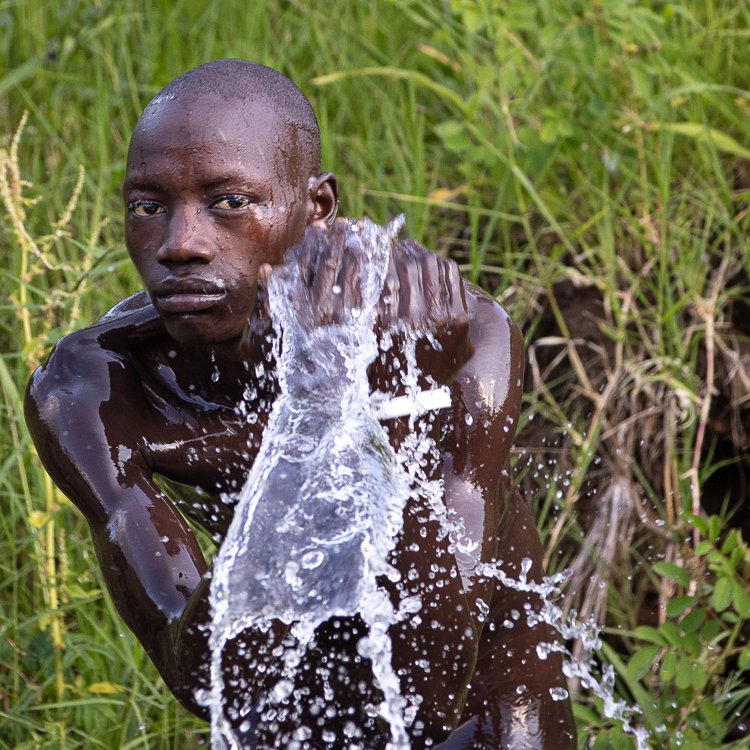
312 559
281 690
302 733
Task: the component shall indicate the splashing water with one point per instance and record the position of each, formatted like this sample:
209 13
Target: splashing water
322 506
572 630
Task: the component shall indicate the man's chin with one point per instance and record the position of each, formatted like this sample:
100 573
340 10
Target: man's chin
199 329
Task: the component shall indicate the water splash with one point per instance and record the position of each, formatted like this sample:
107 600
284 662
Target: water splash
579 667
307 545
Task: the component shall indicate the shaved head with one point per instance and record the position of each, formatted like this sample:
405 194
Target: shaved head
222 177
246 86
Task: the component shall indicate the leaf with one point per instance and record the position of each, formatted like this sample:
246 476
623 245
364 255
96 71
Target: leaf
741 601
672 633
700 679
548 133
722 596
738 555
710 630
651 635
676 606
693 620
668 666
684 673
453 135
704 134
642 661
675 572
711 713
691 644
104 688
642 697
730 543
714 528
700 524
703 547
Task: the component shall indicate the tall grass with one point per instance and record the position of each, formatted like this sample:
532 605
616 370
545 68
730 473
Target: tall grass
585 162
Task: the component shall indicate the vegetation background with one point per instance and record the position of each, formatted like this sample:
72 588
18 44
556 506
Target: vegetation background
587 162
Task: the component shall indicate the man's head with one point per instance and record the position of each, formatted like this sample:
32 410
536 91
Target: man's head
222 176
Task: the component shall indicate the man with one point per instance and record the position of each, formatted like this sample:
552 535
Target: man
134 413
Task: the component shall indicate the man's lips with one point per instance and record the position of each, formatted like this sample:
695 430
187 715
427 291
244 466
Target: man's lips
187 296
187 303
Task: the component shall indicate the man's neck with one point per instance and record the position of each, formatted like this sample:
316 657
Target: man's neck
224 373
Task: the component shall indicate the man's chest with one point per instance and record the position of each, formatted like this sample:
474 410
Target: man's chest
208 447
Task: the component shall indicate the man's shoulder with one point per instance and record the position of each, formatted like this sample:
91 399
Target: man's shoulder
74 400
490 383
114 334
125 309
83 359
491 326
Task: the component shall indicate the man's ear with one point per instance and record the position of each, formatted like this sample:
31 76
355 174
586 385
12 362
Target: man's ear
324 199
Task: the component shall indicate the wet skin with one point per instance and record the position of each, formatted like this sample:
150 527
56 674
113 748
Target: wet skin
132 404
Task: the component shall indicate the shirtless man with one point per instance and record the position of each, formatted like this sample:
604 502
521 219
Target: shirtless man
223 176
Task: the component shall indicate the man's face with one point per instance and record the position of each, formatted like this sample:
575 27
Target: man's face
212 191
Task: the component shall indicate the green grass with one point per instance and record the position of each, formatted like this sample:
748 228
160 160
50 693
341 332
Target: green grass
575 157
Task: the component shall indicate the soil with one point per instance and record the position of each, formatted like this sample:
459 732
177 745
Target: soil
629 489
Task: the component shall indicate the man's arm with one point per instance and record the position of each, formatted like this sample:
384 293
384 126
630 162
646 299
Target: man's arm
509 704
85 415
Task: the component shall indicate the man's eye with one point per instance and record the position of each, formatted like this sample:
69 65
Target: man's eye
144 208
232 202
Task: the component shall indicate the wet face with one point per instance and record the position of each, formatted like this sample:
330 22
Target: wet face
212 191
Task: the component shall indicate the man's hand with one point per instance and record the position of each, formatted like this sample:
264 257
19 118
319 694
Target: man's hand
322 277
424 295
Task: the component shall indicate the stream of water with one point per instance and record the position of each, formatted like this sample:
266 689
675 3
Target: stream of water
323 504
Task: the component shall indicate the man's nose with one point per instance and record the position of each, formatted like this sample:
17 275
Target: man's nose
186 239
